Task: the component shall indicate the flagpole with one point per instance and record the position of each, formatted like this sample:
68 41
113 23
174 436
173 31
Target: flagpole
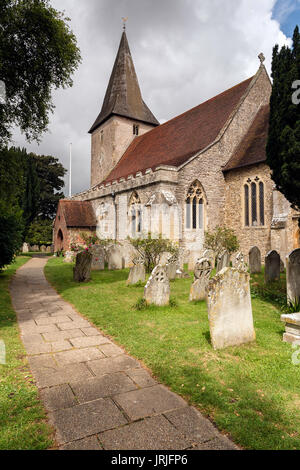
70 172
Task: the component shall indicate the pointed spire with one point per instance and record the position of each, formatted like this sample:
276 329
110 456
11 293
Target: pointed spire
123 95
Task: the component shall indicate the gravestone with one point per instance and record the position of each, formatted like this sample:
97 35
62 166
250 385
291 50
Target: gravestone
43 248
211 256
69 256
239 262
292 328
157 289
229 309
202 273
293 276
272 266
164 258
82 268
181 274
137 274
35 248
98 260
254 260
223 261
48 249
25 248
114 257
172 266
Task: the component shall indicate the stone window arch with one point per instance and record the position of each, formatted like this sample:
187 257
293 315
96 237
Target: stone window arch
194 207
254 202
135 214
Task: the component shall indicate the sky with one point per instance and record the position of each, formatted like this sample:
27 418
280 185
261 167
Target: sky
184 52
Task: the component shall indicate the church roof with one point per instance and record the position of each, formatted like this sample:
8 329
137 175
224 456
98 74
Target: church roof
78 213
123 95
252 149
175 141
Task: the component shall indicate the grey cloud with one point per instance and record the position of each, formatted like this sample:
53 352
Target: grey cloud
185 51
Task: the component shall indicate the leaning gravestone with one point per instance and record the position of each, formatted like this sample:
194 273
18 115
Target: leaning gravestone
172 266
229 308
239 262
25 248
115 258
272 266
293 276
98 260
157 289
202 273
137 273
69 256
223 261
82 268
254 260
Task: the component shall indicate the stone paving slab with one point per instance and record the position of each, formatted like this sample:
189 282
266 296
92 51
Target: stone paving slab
87 419
104 386
155 433
149 401
97 397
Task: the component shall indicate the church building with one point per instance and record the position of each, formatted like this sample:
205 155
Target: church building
203 168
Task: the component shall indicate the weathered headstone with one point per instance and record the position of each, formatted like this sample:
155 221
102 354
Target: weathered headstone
239 262
43 248
223 261
137 274
164 258
115 258
25 248
82 268
157 289
171 270
292 328
272 266
202 273
35 248
293 276
211 256
48 249
98 259
254 260
229 309
69 256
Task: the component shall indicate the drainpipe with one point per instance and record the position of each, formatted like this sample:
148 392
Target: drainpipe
113 195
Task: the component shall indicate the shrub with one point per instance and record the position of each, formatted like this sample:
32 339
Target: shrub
221 239
11 233
150 249
40 232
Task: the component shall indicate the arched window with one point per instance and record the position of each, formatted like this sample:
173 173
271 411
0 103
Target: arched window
254 202
135 215
194 207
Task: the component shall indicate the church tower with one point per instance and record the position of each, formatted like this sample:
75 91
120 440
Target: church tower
123 116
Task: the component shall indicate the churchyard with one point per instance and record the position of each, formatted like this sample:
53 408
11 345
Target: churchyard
249 390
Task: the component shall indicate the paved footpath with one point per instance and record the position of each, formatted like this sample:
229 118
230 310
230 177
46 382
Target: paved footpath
96 396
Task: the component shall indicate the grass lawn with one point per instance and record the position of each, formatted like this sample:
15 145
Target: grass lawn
22 417
251 392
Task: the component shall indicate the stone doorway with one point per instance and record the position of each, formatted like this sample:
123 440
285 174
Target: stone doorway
59 241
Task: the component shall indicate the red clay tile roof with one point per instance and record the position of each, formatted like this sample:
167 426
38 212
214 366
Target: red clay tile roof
252 149
175 141
78 213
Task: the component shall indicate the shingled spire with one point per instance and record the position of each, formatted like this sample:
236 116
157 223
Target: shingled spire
123 95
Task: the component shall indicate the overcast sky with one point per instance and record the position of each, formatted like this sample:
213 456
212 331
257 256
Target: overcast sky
184 51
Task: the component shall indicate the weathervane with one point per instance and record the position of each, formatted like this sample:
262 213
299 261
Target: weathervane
124 22
261 58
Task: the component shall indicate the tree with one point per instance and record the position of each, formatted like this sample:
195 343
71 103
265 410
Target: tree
50 174
38 52
283 146
39 232
221 239
150 249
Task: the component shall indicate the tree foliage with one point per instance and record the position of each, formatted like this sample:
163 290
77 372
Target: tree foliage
40 232
11 223
283 146
38 52
150 249
221 239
